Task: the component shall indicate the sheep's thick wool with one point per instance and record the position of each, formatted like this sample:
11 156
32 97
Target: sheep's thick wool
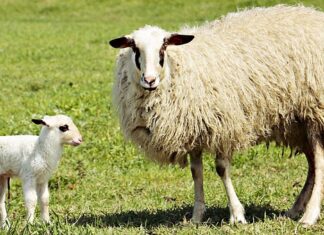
250 76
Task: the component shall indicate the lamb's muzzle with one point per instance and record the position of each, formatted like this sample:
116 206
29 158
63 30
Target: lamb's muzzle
77 141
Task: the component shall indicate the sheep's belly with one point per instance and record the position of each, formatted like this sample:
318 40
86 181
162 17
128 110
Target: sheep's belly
7 174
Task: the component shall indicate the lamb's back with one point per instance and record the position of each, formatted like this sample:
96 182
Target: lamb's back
14 151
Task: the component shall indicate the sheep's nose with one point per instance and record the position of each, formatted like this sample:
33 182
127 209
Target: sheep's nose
149 80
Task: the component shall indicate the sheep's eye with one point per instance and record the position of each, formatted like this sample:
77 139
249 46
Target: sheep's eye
64 128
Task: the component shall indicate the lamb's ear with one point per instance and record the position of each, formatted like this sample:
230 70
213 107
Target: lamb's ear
39 122
178 39
122 42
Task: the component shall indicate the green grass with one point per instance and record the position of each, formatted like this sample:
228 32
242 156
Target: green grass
54 58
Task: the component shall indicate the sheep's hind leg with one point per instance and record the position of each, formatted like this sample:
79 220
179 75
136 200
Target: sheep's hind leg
43 198
302 200
197 175
3 189
235 206
313 207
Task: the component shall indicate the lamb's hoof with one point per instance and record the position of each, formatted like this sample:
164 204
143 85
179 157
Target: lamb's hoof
5 224
47 222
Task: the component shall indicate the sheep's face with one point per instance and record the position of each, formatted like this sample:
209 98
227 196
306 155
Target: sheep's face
149 45
61 126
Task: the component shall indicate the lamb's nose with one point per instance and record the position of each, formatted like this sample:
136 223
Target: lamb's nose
149 80
77 141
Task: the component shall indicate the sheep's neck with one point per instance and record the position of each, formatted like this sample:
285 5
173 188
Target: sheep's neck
50 149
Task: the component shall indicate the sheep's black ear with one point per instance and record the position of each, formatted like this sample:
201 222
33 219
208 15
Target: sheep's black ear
39 122
122 42
179 39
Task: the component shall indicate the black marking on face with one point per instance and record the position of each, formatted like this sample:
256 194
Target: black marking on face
161 52
64 128
137 56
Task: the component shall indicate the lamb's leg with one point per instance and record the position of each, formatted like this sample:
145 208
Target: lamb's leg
43 198
197 175
3 189
30 195
302 200
313 207
235 206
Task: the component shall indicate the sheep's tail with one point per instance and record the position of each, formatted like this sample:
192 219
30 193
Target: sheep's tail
8 183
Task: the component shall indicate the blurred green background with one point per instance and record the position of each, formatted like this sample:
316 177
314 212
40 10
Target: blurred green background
54 58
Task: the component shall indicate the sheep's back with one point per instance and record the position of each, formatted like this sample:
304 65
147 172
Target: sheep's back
260 69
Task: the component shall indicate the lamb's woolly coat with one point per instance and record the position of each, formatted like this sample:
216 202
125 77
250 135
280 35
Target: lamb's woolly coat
250 76
26 157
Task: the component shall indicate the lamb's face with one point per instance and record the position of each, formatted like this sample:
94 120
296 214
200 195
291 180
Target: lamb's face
149 45
63 127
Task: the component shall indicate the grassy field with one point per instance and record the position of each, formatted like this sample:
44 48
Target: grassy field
54 58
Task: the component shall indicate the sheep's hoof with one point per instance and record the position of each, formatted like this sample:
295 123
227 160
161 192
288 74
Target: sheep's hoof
293 214
238 219
198 213
237 215
196 220
307 222
310 217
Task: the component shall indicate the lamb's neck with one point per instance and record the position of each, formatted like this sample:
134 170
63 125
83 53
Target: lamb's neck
49 148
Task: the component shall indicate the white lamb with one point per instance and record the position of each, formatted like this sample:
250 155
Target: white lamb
33 159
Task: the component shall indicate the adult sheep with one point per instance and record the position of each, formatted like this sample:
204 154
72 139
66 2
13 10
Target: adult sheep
256 75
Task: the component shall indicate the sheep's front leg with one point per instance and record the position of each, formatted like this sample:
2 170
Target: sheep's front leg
3 189
197 175
43 199
235 206
313 207
30 195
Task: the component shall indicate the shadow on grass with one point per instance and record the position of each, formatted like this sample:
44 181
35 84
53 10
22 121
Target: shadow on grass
150 219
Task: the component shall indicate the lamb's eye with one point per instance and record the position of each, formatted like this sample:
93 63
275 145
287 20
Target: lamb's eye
64 128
